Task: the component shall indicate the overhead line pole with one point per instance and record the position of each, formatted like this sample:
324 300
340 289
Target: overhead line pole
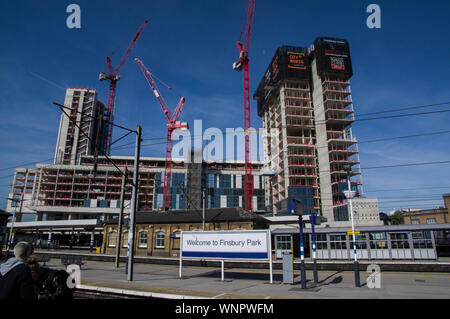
120 222
75 123
133 209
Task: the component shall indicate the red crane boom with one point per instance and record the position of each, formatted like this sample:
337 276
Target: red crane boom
113 77
243 65
173 124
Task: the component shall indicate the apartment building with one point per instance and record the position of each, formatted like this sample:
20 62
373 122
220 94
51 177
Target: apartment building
305 103
81 126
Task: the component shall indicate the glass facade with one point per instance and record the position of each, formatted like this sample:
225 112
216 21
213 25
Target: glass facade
223 190
177 191
305 195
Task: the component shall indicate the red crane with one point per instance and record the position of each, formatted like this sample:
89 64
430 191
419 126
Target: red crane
242 65
173 124
113 77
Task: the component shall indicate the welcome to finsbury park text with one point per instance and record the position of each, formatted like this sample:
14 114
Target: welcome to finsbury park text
224 242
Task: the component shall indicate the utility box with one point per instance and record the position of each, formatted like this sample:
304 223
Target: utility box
288 268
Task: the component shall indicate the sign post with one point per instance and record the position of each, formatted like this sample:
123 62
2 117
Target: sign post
312 219
226 245
296 208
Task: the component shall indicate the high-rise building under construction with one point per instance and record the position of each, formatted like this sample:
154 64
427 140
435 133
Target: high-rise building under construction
305 103
81 127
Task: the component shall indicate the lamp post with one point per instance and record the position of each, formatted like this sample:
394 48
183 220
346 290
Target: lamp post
296 208
11 234
312 219
349 194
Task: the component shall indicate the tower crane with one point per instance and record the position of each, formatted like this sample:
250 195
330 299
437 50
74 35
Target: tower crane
113 77
173 123
243 65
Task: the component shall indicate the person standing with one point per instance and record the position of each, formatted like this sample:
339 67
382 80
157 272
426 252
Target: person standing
15 275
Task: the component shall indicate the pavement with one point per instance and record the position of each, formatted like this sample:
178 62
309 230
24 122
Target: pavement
162 281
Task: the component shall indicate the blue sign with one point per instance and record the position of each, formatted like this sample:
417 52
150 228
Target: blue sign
248 244
292 207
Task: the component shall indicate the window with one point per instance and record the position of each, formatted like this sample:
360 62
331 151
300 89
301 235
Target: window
142 239
338 242
112 239
284 242
378 240
431 220
415 221
360 241
321 241
176 240
160 239
125 239
399 241
422 240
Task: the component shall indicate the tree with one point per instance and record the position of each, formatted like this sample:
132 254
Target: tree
397 218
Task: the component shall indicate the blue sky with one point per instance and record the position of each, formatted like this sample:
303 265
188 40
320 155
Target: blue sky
190 44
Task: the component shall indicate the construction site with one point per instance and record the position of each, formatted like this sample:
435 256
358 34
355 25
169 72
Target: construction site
304 97
304 102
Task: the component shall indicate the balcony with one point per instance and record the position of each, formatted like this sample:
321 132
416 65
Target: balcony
297 153
339 108
296 86
342 160
337 100
298 114
298 95
297 104
335 81
299 122
337 88
342 140
342 149
301 182
301 164
334 116
299 144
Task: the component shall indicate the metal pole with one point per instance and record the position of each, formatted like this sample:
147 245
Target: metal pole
119 226
11 237
49 240
91 242
134 204
356 265
313 237
302 253
204 204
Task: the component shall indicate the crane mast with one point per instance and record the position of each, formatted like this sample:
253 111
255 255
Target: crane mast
113 77
243 65
173 124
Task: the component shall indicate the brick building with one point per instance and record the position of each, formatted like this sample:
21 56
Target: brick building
439 215
157 233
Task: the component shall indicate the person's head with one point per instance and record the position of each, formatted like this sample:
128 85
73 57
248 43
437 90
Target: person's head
23 250
34 267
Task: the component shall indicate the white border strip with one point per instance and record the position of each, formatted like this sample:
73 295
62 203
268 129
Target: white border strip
128 292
